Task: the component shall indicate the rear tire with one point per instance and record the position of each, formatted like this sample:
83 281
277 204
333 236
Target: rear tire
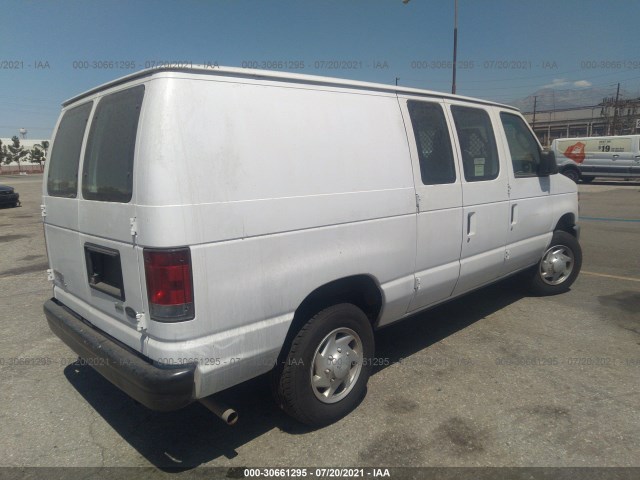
584 179
559 266
324 375
572 173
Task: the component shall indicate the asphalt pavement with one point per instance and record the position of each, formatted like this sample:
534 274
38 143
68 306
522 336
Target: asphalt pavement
496 378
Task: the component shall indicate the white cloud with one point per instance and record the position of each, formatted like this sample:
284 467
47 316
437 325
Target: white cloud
557 82
563 82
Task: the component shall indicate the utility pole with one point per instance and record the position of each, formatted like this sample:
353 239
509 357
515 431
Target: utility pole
615 109
535 103
455 44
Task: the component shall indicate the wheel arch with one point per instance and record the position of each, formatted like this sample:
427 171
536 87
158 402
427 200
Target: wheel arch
361 290
567 223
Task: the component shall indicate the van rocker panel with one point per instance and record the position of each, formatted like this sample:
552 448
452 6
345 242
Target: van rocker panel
158 388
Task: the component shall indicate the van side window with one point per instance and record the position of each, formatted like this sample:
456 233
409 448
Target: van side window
525 153
62 180
477 142
433 142
108 160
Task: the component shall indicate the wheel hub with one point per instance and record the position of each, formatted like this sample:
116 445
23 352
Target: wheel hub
339 366
336 365
557 265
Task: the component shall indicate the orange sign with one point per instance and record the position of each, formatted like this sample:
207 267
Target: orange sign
575 152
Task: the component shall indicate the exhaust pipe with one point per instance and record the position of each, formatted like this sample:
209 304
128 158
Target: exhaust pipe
226 414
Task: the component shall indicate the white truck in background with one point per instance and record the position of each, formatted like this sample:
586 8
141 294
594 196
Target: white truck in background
585 158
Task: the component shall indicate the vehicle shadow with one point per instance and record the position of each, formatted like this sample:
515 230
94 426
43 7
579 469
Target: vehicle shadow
623 183
187 438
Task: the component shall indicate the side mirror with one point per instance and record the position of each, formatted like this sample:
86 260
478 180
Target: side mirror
548 165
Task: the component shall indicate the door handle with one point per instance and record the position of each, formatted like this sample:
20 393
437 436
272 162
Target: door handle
615 156
471 225
514 214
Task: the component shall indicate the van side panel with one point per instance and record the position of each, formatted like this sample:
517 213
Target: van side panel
250 289
564 198
268 184
212 141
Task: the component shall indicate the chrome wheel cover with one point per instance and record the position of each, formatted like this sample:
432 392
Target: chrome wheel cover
556 265
336 365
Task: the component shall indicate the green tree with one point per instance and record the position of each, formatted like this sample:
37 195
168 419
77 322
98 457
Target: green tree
37 154
5 155
44 145
17 151
2 154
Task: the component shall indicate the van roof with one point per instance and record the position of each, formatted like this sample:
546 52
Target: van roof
280 76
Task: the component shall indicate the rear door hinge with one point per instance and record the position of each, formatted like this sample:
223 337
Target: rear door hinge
43 210
416 284
417 202
141 322
134 226
509 190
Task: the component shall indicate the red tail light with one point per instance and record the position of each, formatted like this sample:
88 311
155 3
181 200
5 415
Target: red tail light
169 284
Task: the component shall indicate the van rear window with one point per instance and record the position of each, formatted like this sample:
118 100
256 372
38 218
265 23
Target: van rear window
108 161
433 142
62 179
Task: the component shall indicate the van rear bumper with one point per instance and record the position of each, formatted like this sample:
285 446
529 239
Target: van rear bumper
155 386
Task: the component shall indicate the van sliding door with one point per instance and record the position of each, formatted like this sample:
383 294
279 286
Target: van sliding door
485 194
439 201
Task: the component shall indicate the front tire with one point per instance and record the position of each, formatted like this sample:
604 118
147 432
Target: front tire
559 266
324 375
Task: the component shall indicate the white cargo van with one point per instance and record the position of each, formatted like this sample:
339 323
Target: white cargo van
589 157
206 226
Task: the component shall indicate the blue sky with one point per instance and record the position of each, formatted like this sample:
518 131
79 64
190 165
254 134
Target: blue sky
507 49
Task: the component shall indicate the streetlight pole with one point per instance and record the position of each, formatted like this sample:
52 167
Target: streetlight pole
455 41
455 45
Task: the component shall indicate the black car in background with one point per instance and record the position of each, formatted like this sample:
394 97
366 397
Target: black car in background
8 197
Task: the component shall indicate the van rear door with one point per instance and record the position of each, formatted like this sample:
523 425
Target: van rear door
90 210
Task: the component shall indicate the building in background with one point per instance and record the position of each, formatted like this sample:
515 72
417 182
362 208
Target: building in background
590 121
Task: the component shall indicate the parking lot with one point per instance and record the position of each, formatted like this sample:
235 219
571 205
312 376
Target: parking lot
496 378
